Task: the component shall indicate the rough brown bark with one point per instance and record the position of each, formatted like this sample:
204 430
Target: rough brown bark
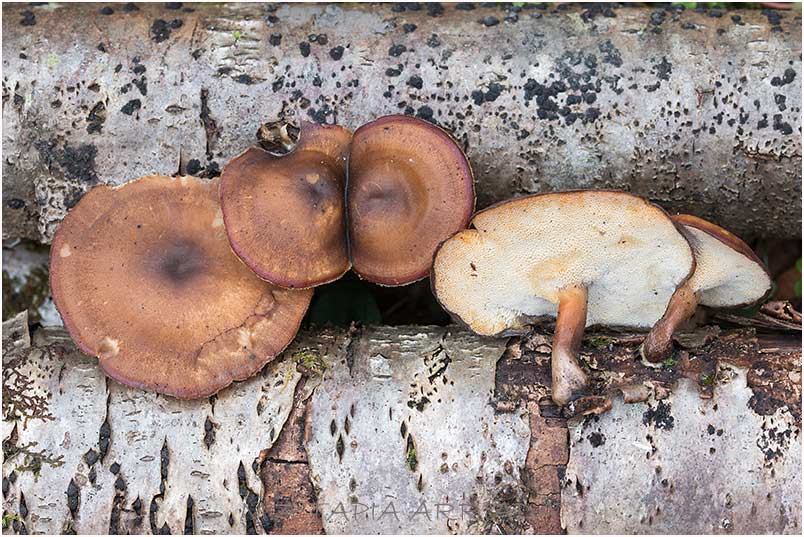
343 433
696 110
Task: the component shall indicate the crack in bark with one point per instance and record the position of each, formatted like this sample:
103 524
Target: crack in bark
164 462
211 129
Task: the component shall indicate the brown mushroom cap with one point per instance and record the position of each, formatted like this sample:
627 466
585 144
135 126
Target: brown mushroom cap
285 215
513 266
409 188
728 273
144 279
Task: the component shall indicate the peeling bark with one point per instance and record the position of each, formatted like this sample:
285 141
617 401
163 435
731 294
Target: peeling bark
698 111
375 416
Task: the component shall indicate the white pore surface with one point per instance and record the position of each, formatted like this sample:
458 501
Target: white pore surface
625 250
724 276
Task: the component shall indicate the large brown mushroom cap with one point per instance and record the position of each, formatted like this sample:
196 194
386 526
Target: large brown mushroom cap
522 254
285 215
144 279
409 188
728 273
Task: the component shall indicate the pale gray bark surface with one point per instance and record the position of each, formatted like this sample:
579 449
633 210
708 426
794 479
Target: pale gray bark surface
504 442
686 465
698 111
406 438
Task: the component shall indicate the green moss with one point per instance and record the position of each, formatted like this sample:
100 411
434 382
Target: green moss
670 362
8 518
32 461
311 360
411 461
600 342
707 379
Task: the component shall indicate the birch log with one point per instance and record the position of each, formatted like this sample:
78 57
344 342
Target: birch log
700 111
413 430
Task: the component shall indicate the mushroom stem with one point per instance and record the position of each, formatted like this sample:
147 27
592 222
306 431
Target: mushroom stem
567 374
658 344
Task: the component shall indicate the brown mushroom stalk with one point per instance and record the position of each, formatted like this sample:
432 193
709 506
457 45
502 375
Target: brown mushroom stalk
568 375
658 344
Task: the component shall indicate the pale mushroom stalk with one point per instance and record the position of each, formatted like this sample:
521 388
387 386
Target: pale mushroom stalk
567 374
658 344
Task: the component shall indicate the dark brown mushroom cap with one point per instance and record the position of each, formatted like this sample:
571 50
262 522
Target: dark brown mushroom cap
728 274
144 279
409 188
285 215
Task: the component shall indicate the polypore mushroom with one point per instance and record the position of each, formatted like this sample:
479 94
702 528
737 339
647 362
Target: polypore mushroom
585 258
285 215
727 275
144 279
409 188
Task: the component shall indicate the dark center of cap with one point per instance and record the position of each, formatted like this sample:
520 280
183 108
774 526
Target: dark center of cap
393 191
179 261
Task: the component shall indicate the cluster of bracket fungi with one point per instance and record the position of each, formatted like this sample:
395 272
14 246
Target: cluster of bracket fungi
182 286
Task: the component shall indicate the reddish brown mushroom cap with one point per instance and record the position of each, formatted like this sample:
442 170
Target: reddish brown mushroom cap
729 274
285 215
144 279
409 188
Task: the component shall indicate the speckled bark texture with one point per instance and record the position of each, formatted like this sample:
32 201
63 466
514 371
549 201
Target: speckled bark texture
629 469
697 110
388 429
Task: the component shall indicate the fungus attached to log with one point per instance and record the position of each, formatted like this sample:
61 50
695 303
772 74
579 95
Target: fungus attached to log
285 215
586 258
727 275
409 188
144 279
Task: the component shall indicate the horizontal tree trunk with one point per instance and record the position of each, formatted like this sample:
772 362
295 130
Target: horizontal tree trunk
697 110
413 430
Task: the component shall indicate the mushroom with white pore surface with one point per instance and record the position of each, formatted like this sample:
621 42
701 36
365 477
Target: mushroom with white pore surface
727 275
144 279
585 257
